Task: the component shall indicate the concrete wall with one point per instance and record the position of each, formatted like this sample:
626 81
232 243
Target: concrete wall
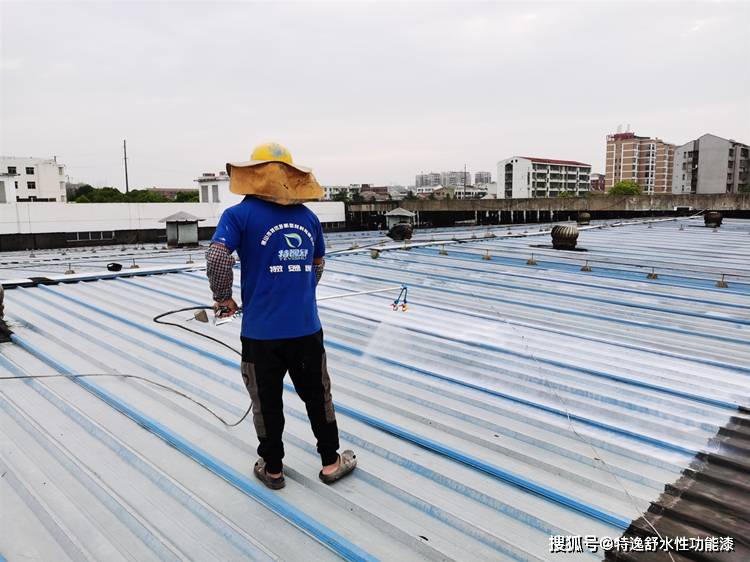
661 202
35 218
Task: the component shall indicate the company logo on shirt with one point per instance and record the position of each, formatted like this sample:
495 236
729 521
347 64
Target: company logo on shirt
293 240
294 253
284 226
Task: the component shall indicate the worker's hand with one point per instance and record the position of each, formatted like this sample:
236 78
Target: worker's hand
230 308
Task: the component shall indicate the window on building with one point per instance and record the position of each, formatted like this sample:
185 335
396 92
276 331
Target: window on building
11 169
60 170
16 184
214 193
30 185
29 170
204 194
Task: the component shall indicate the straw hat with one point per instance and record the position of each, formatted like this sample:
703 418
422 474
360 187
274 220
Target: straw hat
271 174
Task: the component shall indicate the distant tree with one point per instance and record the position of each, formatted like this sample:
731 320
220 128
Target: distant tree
565 194
341 196
88 194
744 188
410 196
109 195
84 189
357 198
187 197
625 187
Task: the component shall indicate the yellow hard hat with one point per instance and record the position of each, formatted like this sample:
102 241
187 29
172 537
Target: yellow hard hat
268 152
271 152
271 174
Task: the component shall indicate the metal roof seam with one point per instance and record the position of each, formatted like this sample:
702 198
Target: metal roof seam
329 538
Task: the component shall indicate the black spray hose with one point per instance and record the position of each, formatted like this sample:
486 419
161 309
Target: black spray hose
158 320
140 378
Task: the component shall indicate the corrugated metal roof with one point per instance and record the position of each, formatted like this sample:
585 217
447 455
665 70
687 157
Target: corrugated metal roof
511 402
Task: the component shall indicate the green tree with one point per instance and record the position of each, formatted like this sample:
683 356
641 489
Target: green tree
625 187
84 189
565 194
82 199
187 197
744 188
357 198
410 196
341 196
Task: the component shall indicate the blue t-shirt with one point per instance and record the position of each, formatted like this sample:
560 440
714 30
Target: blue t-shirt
276 245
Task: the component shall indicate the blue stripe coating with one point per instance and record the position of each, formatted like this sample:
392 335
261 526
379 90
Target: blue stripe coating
321 533
584 297
121 511
593 372
565 311
492 470
355 351
644 349
410 465
611 273
561 413
549 409
394 256
434 446
247 546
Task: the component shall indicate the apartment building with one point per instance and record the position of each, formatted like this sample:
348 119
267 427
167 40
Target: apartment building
330 191
455 179
482 178
646 161
431 179
522 177
711 164
31 179
598 182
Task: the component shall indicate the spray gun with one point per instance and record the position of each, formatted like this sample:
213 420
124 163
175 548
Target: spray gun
222 315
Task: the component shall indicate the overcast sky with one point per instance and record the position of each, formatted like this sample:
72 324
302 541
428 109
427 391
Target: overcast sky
362 92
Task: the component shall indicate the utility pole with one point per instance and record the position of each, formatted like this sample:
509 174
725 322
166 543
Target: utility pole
125 152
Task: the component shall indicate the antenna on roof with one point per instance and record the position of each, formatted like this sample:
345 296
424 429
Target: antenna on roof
125 152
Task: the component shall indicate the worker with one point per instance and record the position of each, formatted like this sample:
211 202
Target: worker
280 245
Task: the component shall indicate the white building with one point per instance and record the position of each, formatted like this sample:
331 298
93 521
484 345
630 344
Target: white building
711 164
482 178
425 189
455 179
31 179
214 188
426 180
470 192
329 191
522 177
